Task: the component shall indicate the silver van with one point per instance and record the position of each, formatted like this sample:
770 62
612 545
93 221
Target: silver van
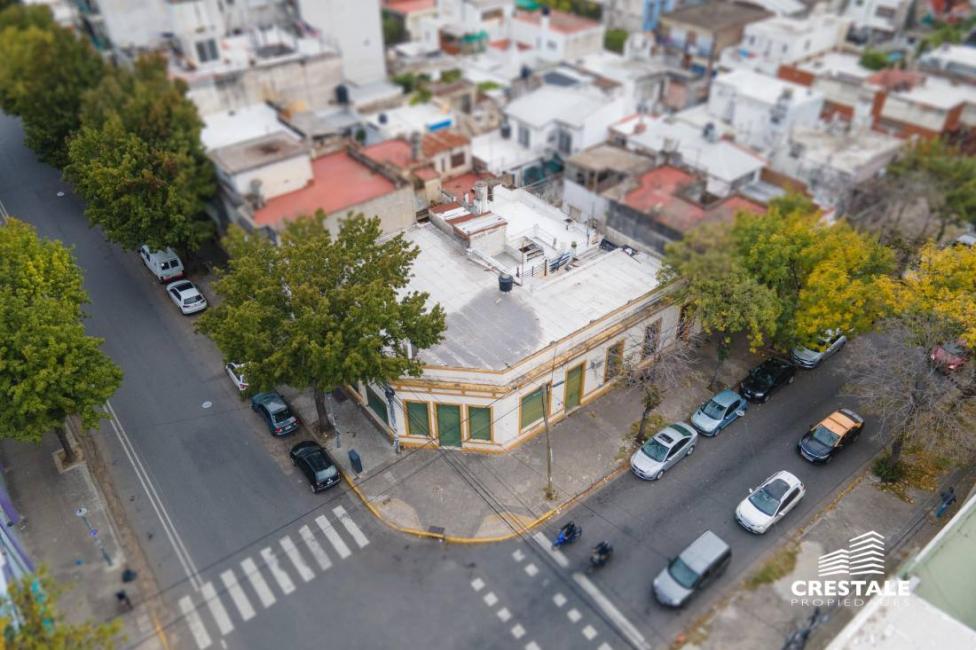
165 264
704 560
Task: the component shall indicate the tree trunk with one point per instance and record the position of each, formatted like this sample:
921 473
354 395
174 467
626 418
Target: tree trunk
322 412
643 424
894 456
723 354
69 452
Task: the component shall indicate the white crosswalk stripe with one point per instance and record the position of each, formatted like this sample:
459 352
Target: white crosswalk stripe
258 582
351 526
321 557
216 608
333 536
296 558
554 553
195 624
284 582
237 595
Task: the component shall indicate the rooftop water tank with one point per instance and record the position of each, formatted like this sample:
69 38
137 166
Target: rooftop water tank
505 282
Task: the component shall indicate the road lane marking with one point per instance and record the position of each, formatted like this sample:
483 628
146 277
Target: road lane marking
216 608
574 615
518 555
169 528
559 599
296 558
491 599
531 569
555 554
477 584
282 578
504 614
624 626
532 645
321 557
237 595
518 631
197 629
604 646
333 536
589 632
258 582
351 526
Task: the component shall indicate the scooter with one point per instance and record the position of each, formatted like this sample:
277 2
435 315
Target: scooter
600 555
567 535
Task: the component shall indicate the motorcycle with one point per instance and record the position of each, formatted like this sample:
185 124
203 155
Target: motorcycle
567 535
600 555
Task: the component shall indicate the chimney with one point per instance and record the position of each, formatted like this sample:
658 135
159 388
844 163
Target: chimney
415 141
481 197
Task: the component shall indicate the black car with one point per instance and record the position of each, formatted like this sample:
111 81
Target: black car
836 431
316 465
766 378
277 414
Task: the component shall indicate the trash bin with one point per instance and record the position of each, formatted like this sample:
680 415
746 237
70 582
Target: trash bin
356 461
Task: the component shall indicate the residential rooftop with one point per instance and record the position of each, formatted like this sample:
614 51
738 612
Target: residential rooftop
233 126
339 181
257 152
435 143
395 152
715 16
836 64
846 151
407 7
559 21
607 156
764 88
570 105
499 154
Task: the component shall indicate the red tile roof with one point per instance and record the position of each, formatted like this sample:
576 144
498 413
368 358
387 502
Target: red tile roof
502 44
463 184
394 152
427 173
408 6
559 21
435 143
892 78
338 182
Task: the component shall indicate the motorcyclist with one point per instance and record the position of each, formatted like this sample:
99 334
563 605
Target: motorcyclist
570 531
602 551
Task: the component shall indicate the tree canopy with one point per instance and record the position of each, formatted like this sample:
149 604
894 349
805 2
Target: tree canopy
320 310
950 176
49 367
138 162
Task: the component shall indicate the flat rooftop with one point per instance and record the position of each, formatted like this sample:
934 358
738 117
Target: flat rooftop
395 152
715 16
257 152
607 156
559 21
836 64
847 151
230 127
765 88
338 182
489 329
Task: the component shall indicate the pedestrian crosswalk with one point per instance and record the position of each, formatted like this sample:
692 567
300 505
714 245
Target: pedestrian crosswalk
211 612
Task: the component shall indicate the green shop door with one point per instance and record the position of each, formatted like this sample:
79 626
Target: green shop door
574 387
449 425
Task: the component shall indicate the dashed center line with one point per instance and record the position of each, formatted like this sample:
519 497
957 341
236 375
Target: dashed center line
491 599
589 632
477 584
559 599
504 614
574 615
518 631
531 569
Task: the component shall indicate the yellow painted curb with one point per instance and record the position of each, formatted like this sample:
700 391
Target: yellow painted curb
159 630
455 539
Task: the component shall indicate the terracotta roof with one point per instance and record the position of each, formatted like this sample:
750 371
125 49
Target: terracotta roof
408 6
891 79
427 173
338 182
502 44
394 152
435 143
463 184
559 21
444 207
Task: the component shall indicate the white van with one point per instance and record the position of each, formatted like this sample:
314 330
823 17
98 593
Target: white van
165 264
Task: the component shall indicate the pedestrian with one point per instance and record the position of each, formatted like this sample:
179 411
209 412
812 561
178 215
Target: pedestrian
123 599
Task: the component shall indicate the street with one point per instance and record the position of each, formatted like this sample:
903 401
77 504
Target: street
246 557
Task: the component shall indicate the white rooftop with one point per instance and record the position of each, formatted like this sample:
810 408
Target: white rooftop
230 127
836 64
489 329
500 154
717 158
964 55
845 151
620 68
763 88
781 7
939 93
554 103
405 120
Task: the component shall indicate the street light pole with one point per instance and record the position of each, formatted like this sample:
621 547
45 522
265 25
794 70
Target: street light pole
545 418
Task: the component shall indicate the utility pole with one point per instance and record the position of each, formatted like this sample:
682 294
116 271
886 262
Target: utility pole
550 493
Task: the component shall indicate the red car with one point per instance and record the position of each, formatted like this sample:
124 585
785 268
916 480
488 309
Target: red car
950 357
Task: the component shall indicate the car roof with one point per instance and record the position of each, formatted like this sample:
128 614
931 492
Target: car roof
183 286
787 477
838 422
775 362
672 433
726 397
273 401
703 551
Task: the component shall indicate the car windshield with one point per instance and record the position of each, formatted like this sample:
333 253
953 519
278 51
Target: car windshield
825 436
682 573
192 299
766 499
326 473
762 375
953 348
282 415
713 410
654 450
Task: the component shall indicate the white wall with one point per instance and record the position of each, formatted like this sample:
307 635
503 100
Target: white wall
597 124
277 178
355 26
752 117
587 204
137 24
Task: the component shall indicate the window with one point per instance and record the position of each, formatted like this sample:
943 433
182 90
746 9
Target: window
377 404
523 136
615 361
551 45
207 50
458 159
532 406
418 419
479 423
565 142
652 339
885 12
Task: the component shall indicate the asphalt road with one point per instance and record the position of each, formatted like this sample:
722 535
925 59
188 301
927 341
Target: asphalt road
211 494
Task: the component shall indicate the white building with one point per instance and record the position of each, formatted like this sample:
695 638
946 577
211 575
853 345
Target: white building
557 35
953 61
555 341
404 121
642 76
355 28
474 16
770 43
761 109
880 17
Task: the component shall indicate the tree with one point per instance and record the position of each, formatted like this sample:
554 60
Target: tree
393 31
49 368
138 162
39 625
21 16
668 369
321 311
874 59
614 40
43 73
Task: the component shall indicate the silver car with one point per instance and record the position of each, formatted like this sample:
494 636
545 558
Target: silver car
828 344
663 451
703 561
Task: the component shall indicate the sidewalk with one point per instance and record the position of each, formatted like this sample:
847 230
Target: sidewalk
88 567
466 496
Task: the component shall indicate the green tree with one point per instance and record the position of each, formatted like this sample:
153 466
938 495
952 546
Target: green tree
874 59
21 16
138 161
319 310
614 39
43 73
49 368
393 31
40 625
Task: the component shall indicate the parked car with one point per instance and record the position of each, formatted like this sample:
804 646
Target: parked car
769 502
828 344
965 239
186 296
949 357
164 264
837 430
719 412
663 451
236 373
695 567
316 464
766 378
276 412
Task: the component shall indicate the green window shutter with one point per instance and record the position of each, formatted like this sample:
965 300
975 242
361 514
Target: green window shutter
449 425
531 408
377 404
418 419
479 423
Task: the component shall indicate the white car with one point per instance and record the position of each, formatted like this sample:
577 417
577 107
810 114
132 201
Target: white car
827 345
165 264
186 296
769 502
236 374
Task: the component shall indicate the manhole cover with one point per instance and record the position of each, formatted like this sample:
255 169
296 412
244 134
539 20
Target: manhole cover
60 193
207 404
